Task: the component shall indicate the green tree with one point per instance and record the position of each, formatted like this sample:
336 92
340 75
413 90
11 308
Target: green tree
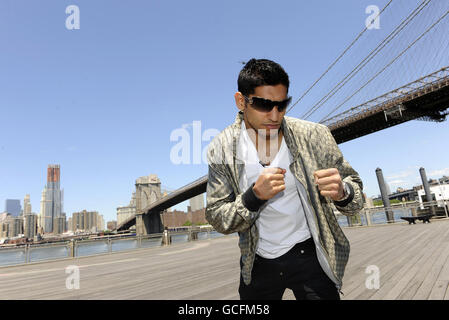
380 203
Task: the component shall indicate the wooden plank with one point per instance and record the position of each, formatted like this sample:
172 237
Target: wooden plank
428 283
209 269
439 290
382 257
415 271
439 247
401 269
393 260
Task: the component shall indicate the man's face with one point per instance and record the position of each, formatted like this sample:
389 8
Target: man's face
266 124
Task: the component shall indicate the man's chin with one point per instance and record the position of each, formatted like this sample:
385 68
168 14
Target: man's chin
269 133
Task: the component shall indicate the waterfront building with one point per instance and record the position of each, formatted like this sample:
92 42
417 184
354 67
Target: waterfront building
59 225
176 218
123 213
100 223
87 221
439 193
11 227
197 202
13 207
4 228
26 205
112 225
29 225
3 216
41 217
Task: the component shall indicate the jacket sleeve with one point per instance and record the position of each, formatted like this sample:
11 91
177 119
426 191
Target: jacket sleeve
225 211
354 203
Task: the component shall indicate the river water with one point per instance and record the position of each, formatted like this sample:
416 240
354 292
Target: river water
14 256
378 217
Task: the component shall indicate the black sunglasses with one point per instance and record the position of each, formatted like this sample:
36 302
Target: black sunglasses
266 105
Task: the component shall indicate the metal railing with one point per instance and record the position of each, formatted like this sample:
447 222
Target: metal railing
378 215
32 253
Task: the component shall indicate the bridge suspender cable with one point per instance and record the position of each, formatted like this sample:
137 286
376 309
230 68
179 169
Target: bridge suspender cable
341 55
367 59
389 64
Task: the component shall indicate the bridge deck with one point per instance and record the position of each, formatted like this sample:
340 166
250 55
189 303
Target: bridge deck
413 261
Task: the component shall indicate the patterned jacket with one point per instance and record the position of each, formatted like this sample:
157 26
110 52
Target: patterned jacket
313 148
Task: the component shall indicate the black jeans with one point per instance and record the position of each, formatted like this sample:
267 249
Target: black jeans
298 270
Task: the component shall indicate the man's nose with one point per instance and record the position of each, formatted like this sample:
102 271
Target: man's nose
274 114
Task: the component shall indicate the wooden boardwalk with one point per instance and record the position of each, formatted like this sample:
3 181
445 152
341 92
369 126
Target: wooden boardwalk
413 263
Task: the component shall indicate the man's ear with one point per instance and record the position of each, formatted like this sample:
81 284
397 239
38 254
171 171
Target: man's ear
239 101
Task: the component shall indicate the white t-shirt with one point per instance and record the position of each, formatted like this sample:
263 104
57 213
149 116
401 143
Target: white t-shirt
282 221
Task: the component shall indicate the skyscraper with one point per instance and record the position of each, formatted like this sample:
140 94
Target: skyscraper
197 202
52 198
29 225
13 207
87 221
26 205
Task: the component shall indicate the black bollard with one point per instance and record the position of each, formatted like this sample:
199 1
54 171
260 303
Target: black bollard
425 184
384 195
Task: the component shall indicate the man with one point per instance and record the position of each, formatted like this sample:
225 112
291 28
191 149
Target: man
275 180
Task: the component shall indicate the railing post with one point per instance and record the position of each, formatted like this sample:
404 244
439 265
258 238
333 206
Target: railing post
166 238
368 217
72 248
348 218
27 253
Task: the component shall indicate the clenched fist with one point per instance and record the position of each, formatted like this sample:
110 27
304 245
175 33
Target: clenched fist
269 183
329 183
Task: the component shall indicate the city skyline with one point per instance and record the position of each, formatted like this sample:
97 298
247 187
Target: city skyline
196 202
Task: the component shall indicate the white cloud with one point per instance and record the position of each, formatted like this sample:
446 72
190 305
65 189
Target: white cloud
403 174
397 182
439 173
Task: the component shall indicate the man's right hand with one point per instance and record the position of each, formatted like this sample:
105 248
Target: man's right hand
270 183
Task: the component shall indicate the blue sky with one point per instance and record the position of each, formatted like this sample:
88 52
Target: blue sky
102 101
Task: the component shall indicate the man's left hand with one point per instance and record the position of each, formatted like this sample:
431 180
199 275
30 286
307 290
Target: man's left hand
329 183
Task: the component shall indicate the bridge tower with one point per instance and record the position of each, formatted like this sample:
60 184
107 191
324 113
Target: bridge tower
148 190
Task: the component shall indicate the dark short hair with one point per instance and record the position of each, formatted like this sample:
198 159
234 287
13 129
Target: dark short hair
261 72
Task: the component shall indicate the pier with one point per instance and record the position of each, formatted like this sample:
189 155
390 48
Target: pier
412 261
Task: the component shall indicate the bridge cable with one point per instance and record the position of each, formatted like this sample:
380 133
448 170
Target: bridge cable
341 55
389 64
367 59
